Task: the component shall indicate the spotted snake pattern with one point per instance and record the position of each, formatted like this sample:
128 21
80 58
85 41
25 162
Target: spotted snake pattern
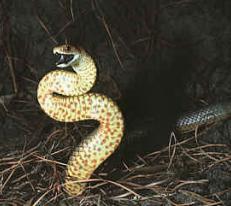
64 96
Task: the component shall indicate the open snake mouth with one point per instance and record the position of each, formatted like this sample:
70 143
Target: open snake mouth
64 59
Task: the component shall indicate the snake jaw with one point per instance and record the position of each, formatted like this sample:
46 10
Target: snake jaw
69 55
67 60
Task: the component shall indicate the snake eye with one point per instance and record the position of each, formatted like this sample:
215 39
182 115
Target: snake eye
68 47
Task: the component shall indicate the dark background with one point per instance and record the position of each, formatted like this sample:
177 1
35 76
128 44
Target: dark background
157 59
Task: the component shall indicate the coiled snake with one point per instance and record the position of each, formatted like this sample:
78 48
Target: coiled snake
63 96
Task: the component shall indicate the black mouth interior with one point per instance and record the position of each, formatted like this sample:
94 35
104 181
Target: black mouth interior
64 58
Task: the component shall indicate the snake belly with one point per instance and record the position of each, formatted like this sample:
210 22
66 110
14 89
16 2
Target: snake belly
73 104
208 115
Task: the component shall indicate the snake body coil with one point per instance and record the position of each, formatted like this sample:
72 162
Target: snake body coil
205 116
63 96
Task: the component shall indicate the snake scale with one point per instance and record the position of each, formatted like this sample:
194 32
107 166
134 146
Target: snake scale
63 95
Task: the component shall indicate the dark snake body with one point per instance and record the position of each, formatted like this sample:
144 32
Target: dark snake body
203 117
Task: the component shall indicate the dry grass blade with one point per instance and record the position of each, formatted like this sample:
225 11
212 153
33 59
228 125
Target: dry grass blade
40 198
11 66
171 156
200 198
100 15
43 25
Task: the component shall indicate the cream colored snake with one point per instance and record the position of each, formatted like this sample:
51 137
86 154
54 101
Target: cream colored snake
64 96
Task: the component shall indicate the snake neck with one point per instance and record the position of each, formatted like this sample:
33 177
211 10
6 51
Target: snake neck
86 71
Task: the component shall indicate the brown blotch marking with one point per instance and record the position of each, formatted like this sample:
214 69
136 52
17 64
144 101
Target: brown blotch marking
71 171
94 161
85 162
88 156
108 129
107 125
78 175
46 78
102 159
65 115
89 100
103 141
50 111
113 137
117 141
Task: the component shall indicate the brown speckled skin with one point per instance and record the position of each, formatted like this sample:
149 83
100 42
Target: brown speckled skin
205 116
79 105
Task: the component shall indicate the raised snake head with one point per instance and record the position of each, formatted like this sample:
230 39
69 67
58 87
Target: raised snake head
69 55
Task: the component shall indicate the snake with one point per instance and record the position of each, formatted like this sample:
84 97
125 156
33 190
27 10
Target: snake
205 116
64 96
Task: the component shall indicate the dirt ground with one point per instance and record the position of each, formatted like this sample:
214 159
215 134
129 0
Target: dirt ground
157 59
